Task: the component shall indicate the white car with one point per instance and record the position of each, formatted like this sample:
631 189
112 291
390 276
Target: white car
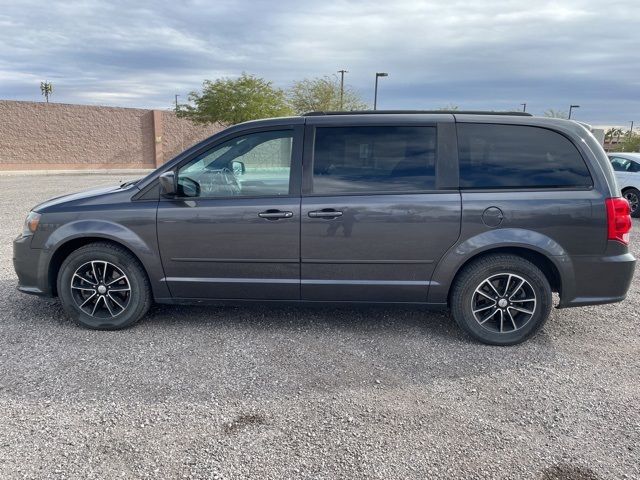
627 169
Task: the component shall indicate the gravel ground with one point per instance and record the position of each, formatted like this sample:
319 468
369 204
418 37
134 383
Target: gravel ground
302 392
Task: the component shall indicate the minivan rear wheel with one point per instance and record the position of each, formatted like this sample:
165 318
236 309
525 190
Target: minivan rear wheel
103 286
501 299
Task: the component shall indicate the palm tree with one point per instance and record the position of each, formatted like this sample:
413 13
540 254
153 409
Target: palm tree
47 89
609 134
617 132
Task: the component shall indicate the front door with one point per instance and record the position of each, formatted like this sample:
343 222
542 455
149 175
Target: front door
375 216
233 230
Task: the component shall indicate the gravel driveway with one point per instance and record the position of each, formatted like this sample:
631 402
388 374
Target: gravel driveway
302 392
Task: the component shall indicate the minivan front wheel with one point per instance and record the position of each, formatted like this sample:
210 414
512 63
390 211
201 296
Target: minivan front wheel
501 299
103 286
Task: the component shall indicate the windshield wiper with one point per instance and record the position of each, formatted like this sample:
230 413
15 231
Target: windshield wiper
130 182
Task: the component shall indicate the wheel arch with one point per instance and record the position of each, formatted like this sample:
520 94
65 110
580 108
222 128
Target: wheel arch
540 260
64 249
629 187
534 246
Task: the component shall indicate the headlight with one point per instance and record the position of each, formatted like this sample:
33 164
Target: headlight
31 223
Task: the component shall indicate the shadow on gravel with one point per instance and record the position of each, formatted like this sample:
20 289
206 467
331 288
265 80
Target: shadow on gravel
267 316
436 325
565 471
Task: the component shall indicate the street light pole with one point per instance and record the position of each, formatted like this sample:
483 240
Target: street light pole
342 72
375 93
524 107
571 107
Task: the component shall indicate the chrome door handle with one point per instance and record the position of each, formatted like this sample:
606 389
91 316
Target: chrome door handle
325 213
275 214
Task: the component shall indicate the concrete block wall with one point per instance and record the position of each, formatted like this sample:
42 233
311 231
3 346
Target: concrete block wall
48 136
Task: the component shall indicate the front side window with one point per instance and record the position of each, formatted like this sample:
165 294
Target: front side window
373 159
256 164
515 156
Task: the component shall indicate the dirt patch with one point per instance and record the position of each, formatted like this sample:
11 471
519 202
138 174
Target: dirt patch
568 472
243 421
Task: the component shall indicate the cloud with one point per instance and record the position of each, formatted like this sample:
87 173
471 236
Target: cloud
491 54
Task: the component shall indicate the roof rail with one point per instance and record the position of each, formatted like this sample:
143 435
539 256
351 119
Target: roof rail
385 112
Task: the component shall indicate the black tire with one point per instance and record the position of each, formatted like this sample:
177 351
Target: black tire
504 273
633 197
110 262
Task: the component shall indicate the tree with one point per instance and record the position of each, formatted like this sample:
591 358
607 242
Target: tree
556 114
230 101
631 143
322 94
46 88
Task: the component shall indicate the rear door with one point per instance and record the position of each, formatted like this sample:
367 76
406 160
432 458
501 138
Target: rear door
380 206
233 230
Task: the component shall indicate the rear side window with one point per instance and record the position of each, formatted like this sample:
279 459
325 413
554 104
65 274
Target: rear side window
624 165
374 159
514 156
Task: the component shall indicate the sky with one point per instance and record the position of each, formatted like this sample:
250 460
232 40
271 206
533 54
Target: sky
491 54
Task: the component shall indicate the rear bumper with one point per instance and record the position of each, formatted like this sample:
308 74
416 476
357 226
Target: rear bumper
30 265
597 280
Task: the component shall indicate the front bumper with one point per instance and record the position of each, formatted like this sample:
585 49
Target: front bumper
30 265
598 280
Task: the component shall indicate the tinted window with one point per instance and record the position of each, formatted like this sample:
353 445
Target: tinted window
624 165
257 164
381 159
513 156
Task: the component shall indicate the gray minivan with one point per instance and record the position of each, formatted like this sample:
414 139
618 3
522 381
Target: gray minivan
484 213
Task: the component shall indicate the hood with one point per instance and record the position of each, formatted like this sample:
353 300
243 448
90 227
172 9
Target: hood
84 195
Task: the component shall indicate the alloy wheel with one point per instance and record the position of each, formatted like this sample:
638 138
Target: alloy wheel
503 303
100 289
632 198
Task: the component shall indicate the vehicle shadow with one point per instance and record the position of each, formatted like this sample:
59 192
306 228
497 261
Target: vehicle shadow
258 315
371 319
351 318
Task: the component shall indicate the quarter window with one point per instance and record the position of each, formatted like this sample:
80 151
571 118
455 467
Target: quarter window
514 156
373 159
257 164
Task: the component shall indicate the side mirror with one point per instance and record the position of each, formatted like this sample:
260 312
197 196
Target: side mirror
238 168
167 184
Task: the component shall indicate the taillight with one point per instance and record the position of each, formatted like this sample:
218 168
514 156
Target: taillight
618 219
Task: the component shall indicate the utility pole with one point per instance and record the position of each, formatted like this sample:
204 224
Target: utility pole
571 107
524 107
181 125
342 72
375 94
631 130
